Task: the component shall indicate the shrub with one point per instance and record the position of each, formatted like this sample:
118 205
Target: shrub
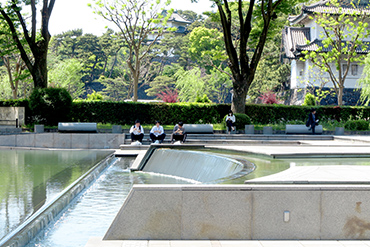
240 121
309 100
269 98
94 96
357 125
203 99
50 105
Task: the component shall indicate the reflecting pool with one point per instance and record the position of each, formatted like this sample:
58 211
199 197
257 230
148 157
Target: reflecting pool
31 178
92 212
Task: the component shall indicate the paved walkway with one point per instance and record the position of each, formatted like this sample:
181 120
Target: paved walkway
343 146
96 242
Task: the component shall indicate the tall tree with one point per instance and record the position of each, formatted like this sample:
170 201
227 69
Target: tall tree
37 63
243 64
342 41
12 60
141 23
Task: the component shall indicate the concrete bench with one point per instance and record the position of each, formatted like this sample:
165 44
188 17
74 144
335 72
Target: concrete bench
198 128
301 129
77 127
13 122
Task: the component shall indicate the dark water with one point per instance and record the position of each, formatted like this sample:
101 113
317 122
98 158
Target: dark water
31 178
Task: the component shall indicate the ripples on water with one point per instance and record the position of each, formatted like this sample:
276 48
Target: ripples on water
92 213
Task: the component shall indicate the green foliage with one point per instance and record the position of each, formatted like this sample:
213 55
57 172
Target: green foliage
189 84
357 125
94 96
364 82
50 105
67 74
309 100
207 46
127 112
242 120
203 99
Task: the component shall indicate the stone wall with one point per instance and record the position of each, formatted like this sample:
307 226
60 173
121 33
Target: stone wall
351 97
244 212
12 113
64 141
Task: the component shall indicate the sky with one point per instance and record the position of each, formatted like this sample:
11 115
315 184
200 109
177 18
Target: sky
73 14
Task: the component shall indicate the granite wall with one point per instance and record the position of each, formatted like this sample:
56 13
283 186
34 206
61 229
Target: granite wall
63 140
243 212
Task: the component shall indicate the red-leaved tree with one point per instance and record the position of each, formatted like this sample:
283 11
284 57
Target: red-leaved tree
168 96
269 98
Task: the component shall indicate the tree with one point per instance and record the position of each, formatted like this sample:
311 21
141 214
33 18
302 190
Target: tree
67 74
207 47
250 37
37 63
189 84
342 36
141 24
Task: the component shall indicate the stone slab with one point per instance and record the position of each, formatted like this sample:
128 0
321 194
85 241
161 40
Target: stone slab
231 219
161 220
301 129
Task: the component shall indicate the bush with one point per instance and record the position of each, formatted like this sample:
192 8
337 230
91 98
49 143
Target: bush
50 105
240 121
309 100
357 125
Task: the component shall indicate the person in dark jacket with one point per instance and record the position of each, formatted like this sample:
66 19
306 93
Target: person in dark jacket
312 120
178 133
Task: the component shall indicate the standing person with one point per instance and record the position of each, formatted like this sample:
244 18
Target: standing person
179 133
157 133
312 120
230 121
137 132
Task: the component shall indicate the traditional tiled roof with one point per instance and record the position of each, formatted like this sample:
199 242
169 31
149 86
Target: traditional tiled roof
178 18
314 45
293 36
323 7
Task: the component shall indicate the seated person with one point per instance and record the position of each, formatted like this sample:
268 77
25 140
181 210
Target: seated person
137 132
179 133
230 121
157 133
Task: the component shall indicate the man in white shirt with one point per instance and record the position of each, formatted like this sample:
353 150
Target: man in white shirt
137 132
157 133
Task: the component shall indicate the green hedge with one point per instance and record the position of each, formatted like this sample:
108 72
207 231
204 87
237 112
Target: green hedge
128 112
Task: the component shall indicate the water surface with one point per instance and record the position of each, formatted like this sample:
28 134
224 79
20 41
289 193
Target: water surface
31 178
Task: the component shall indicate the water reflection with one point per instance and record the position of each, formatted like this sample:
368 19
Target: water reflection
92 213
30 178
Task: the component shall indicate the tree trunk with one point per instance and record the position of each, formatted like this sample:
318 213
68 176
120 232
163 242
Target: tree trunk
136 86
39 71
340 95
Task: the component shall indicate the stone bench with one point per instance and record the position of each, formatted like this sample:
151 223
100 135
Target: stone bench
78 127
198 128
12 122
301 129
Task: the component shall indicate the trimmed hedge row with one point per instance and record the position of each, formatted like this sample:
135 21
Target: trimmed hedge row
128 112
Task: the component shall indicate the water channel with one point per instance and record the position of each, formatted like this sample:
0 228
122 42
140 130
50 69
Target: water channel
93 210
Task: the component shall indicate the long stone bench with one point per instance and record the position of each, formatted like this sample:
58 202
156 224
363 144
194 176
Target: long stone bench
301 129
198 128
78 127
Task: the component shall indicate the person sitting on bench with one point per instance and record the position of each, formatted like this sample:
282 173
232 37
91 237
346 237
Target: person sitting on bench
137 132
178 133
157 133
